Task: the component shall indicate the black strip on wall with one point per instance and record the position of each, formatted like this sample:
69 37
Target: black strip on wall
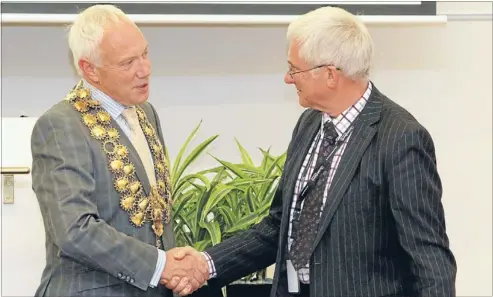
424 8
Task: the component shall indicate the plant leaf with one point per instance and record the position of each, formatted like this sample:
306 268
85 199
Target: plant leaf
202 245
220 193
235 169
186 223
247 169
266 159
184 235
226 214
250 199
188 179
243 224
273 166
182 151
211 170
247 160
214 231
238 183
192 156
204 198
179 204
266 188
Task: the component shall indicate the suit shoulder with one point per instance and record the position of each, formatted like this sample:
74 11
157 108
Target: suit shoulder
148 108
398 120
151 112
60 116
308 115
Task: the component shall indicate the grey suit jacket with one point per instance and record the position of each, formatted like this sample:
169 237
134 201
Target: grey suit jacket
382 231
91 247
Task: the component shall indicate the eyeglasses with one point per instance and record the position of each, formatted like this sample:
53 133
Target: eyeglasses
292 73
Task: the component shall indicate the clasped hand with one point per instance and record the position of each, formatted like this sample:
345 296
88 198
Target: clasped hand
185 271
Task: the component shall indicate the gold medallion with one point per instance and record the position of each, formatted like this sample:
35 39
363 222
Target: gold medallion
121 151
89 119
121 184
98 132
103 117
148 131
154 208
83 93
81 106
158 228
127 202
134 187
116 165
113 134
138 219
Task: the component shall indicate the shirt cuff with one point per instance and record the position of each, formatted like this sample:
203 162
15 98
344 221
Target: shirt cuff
161 263
210 264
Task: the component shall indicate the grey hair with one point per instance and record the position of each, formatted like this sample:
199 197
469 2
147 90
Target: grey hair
86 33
333 36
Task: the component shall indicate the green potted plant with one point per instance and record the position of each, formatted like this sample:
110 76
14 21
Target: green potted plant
214 204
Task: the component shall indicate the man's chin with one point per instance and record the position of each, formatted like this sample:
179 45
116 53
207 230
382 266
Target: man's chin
141 98
303 102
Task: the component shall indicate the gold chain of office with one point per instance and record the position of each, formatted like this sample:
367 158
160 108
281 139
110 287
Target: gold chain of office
155 208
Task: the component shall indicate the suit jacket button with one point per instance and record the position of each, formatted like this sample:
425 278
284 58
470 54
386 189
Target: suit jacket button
132 281
128 278
120 275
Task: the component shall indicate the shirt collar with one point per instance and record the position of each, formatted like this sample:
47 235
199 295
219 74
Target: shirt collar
344 121
113 107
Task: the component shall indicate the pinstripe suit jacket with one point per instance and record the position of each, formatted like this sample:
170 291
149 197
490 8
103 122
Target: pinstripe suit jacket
382 231
91 248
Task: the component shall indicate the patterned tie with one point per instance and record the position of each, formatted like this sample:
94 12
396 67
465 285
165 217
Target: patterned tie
305 228
139 142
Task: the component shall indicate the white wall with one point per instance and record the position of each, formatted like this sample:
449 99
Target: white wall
232 79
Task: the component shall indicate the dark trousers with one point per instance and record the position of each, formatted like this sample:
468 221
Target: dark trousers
283 289
304 290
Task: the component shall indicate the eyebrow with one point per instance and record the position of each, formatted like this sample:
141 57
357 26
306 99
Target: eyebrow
133 57
292 65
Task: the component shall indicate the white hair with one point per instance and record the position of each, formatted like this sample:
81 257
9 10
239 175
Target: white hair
86 33
333 36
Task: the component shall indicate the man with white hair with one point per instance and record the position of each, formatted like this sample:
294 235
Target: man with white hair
100 173
358 208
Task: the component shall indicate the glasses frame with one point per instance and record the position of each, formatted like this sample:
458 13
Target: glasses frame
292 73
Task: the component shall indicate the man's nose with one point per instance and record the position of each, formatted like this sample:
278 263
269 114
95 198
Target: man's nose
145 69
288 79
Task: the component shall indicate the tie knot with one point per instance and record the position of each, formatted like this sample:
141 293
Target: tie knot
330 132
130 115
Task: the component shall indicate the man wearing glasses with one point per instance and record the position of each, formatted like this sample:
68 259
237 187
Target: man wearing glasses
358 209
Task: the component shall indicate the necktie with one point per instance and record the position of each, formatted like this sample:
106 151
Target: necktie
305 228
139 142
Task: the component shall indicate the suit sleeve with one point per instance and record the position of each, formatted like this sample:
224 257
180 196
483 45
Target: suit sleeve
253 249
415 200
63 180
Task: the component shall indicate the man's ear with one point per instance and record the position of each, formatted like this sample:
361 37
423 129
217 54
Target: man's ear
89 69
333 76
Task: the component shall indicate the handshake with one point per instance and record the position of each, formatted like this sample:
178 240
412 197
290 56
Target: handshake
186 270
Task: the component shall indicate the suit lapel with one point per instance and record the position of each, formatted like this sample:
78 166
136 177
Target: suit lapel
363 133
134 157
302 146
